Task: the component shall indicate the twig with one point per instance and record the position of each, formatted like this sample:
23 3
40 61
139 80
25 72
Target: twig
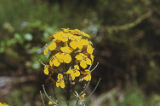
95 88
42 98
129 25
95 67
48 96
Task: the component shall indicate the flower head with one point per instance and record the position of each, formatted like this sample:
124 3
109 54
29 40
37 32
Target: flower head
60 81
71 53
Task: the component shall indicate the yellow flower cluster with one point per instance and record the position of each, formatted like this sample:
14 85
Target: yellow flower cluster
3 104
70 53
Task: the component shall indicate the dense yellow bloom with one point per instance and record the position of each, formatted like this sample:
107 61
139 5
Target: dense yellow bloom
3 104
46 72
52 46
60 81
69 48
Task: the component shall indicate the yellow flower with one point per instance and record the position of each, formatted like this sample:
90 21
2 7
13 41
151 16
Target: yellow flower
60 81
66 49
65 30
76 31
82 95
60 84
90 49
50 103
81 43
84 60
76 67
84 42
3 104
45 51
88 75
54 62
80 56
60 36
74 44
76 73
73 73
60 76
83 64
86 35
67 58
52 46
60 57
76 38
88 61
46 72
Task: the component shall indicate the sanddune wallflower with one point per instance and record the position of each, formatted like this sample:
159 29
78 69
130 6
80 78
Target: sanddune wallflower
70 54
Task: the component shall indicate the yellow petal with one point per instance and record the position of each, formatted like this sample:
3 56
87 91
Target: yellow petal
86 35
76 67
50 103
67 58
60 76
57 84
84 42
92 57
69 71
66 49
90 49
73 44
77 73
60 57
82 95
73 76
56 62
62 84
45 51
83 64
52 46
46 72
65 30
87 77
88 61
51 62
79 57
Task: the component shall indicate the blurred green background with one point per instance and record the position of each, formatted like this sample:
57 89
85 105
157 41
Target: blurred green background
125 34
